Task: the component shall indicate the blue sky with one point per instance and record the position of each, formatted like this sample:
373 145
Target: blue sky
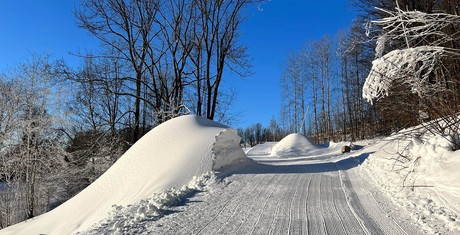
282 26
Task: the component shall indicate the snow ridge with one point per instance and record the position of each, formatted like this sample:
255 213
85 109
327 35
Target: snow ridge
181 151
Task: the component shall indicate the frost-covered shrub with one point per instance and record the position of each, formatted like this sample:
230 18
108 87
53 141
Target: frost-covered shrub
421 61
417 62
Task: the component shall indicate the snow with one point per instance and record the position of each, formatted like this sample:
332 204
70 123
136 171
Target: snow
419 172
295 145
181 153
261 149
425 185
427 46
402 183
438 166
412 66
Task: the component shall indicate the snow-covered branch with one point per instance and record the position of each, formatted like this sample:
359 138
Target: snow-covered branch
415 28
412 47
413 66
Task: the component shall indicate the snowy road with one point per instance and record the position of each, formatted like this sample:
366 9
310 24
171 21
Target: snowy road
283 197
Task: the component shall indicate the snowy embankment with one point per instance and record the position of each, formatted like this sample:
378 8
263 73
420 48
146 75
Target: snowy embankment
419 172
168 163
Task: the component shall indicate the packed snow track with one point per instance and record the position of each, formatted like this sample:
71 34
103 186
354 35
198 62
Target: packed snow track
282 196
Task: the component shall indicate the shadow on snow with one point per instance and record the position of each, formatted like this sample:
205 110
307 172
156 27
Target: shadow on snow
266 168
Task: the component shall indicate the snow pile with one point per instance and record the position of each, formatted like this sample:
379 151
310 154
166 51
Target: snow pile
128 220
170 156
261 149
419 171
295 145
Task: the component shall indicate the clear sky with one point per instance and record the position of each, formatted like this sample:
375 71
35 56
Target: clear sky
271 33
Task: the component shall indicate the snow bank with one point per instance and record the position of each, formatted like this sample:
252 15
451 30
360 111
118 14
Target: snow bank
420 172
438 166
295 145
129 219
170 156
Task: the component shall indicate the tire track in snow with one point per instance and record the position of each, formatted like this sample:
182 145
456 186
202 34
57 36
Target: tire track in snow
314 210
255 212
282 218
243 218
375 212
210 209
299 214
351 223
243 215
269 210
333 223
356 207
222 221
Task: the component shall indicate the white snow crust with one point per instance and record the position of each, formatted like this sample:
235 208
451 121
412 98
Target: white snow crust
181 153
295 145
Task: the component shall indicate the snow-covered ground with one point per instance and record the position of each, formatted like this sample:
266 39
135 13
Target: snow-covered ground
189 176
420 173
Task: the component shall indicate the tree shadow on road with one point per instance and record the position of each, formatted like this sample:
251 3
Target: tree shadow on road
293 168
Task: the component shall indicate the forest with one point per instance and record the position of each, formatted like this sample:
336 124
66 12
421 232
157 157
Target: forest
395 67
61 127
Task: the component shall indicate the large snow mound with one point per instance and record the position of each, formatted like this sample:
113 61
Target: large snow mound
169 156
261 149
295 145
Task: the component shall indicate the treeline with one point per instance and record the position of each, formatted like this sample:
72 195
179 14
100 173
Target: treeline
404 54
258 134
61 127
322 89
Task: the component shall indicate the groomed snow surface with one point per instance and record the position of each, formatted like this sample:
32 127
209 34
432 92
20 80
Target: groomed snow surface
190 176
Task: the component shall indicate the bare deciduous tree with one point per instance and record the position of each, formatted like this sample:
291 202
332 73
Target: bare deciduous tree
31 148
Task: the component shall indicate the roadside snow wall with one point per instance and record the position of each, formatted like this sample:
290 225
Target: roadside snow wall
227 152
169 156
